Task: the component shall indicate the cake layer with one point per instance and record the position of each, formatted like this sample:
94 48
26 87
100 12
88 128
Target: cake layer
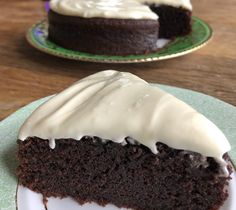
173 21
127 176
104 36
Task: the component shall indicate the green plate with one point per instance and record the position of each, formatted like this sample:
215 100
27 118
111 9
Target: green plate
221 113
201 34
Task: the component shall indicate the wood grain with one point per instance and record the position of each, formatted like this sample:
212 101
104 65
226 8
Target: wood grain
27 74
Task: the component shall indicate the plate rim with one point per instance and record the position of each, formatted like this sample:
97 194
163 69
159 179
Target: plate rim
31 40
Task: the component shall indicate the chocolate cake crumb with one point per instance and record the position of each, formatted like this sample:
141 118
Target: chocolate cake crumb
173 21
129 176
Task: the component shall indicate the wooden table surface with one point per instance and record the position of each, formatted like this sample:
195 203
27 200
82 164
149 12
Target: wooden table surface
27 74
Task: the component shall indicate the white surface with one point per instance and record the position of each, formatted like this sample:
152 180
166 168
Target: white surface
64 204
162 42
115 105
28 200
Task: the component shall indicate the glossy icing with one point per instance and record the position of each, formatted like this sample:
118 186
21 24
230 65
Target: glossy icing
119 9
114 105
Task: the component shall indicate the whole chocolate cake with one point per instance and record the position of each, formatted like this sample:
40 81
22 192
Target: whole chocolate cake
119 27
111 138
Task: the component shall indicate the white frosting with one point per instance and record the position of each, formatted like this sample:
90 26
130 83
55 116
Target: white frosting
186 4
120 9
115 105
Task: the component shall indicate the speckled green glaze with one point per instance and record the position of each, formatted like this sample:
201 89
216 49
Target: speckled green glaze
201 34
221 113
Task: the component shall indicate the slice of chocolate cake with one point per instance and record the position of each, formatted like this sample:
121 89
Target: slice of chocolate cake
113 138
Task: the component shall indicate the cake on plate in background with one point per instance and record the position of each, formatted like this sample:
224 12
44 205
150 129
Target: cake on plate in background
117 27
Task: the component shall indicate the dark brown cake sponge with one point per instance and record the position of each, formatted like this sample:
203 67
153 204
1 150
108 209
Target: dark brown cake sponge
126 176
174 21
103 36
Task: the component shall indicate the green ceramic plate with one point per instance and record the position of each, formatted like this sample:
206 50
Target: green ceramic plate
201 34
221 113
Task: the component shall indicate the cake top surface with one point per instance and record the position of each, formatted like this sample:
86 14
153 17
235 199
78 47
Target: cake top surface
186 4
114 105
117 9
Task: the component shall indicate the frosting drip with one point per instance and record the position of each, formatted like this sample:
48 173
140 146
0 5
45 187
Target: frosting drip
120 9
115 105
